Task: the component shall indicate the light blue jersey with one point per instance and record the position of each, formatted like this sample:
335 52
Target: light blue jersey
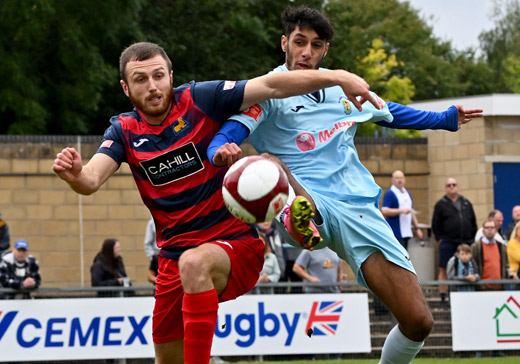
314 136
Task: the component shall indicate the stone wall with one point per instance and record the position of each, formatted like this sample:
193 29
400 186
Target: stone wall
66 230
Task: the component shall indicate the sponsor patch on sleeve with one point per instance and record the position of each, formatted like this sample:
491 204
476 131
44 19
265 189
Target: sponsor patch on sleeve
228 85
254 112
106 144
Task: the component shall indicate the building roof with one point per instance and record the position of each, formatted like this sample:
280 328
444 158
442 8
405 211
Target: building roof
493 104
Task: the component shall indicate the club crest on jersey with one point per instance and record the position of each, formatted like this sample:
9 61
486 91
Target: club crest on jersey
346 105
180 126
173 165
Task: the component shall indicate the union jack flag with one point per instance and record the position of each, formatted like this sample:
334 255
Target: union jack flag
324 317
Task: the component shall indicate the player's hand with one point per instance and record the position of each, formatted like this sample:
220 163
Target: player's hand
465 116
354 86
227 154
68 164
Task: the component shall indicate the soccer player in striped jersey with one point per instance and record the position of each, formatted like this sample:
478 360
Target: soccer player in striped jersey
207 256
312 137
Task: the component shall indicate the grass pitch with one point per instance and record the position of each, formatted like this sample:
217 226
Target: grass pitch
504 360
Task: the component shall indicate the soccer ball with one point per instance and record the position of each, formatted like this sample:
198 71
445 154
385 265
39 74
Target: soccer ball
255 189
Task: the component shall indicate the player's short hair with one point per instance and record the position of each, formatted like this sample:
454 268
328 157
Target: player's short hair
141 51
463 248
307 18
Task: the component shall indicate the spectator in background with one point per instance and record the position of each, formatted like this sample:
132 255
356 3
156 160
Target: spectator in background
516 219
463 267
273 237
320 265
398 210
498 218
453 223
150 244
153 269
513 251
270 271
108 269
491 257
19 269
5 238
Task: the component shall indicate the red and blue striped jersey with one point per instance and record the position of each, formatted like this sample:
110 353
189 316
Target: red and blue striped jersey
177 182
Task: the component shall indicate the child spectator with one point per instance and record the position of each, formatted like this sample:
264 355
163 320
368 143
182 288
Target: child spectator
463 267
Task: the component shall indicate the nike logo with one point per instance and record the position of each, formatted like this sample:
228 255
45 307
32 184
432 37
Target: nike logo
140 142
298 108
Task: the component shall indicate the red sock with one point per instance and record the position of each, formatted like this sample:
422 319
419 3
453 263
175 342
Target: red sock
199 311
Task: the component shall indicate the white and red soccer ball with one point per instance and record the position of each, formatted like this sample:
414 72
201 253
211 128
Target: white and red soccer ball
255 189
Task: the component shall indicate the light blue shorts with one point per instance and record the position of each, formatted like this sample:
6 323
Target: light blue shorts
354 230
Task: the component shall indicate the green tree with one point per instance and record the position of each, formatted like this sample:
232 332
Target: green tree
56 66
376 69
424 59
501 46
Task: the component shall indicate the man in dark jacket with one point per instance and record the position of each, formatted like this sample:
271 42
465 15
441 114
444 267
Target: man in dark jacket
453 223
19 269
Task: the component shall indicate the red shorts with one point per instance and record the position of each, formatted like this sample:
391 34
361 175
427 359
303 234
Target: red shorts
247 259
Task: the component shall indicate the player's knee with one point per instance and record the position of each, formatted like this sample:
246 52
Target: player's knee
419 327
192 267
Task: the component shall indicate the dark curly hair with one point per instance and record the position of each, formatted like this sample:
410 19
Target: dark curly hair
307 18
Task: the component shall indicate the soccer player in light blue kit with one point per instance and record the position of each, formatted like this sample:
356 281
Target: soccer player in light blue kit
312 137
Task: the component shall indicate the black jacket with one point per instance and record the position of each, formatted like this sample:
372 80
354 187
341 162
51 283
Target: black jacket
101 276
448 223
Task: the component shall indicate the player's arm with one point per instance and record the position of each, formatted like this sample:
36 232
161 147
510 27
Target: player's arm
406 117
87 179
279 85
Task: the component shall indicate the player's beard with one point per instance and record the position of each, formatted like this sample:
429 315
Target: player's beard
153 110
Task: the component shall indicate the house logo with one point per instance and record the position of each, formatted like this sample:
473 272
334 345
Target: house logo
507 320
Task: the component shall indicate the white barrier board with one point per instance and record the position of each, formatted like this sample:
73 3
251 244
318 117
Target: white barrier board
278 324
485 320
104 328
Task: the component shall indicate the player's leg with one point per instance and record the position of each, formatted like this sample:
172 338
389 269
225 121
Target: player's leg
446 250
300 211
204 272
169 353
399 289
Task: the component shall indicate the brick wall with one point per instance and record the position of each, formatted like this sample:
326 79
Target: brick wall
66 230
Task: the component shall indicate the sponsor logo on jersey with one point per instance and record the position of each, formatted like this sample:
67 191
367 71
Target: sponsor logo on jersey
253 112
179 125
228 85
106 144
140 142
173 165
305 142
325 135
297 108
346 105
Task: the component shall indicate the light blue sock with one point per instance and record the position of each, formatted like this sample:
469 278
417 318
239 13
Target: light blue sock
398 349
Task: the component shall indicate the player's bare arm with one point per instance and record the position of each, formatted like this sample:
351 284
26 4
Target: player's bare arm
465 116
87 179
227 154
280 85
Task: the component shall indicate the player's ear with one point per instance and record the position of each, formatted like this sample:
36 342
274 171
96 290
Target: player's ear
125 87
284 43
326 50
